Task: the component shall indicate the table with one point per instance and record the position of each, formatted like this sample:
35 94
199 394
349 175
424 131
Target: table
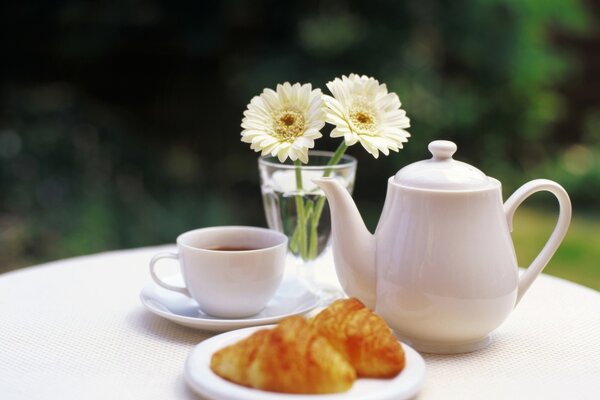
75 329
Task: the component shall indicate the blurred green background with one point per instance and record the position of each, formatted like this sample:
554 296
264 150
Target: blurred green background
119 121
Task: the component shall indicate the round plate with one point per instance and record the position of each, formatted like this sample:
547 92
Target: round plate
206 383
292 298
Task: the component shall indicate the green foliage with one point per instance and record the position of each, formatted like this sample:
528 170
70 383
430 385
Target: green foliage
119 125
577 257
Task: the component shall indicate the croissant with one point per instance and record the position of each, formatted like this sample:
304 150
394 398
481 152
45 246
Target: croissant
291 358
362 337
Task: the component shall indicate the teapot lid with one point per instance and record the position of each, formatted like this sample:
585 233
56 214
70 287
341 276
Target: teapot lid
442 172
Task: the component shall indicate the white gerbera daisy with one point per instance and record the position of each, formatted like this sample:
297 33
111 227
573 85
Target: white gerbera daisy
363 111
286 122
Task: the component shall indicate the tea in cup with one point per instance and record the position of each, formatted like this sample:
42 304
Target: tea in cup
231 271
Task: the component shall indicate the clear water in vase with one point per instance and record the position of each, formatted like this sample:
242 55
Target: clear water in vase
281 212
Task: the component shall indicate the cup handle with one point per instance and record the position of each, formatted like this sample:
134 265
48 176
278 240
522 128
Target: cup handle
159 281
560 230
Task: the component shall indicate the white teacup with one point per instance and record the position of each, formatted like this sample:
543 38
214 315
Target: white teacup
231 271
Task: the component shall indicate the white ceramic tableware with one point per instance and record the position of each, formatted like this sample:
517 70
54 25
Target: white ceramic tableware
228 283
441 267
206 383
291 298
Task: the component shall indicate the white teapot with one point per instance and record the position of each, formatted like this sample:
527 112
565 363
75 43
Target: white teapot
441 267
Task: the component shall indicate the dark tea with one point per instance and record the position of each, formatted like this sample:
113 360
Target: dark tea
231 248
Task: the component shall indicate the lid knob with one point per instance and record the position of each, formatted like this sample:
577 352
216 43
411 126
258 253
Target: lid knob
442 172
442 149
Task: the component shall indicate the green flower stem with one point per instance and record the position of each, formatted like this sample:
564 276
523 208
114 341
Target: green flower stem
294 240
310 206
335 158
314 222
301 222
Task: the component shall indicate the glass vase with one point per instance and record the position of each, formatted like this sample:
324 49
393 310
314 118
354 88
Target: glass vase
297 207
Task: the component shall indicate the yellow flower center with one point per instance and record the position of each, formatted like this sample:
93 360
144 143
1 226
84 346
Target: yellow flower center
288 125
363 121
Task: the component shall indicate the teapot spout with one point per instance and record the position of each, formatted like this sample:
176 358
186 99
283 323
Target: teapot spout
353 244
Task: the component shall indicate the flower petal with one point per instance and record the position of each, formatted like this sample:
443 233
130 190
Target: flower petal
265 110
362 109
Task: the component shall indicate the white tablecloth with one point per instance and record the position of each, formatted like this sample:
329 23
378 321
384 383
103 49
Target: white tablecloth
75 329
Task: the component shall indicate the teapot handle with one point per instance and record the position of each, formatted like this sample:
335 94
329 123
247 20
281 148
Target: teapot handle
564 218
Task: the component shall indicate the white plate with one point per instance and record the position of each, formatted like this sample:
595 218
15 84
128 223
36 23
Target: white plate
206 383
292 298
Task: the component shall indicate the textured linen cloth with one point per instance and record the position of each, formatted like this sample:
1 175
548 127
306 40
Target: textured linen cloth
75 329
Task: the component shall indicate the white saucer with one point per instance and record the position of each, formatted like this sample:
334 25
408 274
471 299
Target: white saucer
292 298
206 383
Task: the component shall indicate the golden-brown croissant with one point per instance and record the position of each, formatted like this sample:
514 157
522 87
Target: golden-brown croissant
291 358
362 337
